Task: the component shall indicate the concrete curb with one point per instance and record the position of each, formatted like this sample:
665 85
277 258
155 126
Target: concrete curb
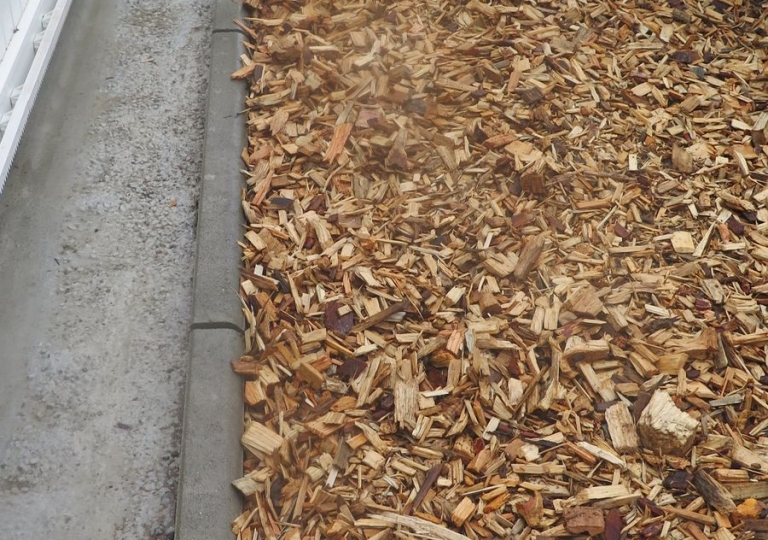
224 12
211 457
219 222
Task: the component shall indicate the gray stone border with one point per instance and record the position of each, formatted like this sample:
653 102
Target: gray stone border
219 222
211 456
224 12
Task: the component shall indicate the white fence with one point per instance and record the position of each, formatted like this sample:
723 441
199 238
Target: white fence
29 30
10 15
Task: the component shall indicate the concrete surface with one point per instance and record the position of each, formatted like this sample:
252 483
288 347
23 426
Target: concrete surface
224 12
213 411
211 454
96 258
219 218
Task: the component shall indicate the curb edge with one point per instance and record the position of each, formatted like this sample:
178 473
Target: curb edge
211 457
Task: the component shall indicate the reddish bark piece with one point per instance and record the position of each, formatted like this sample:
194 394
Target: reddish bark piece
488 304
583 520
613 525
338 323
686 56
534 183
351 368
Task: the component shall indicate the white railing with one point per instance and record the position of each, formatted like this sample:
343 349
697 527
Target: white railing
25 51
10 15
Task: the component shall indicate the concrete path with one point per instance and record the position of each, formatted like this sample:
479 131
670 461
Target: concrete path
97 239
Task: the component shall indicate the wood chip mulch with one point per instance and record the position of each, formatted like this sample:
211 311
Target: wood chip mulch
505 270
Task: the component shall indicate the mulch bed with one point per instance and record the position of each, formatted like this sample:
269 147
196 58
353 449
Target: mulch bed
505 270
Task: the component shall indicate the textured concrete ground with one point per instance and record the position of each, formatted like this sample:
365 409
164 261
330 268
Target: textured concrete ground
96 254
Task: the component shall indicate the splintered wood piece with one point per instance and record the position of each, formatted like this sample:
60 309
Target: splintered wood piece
748 458
499 265
534 183
429 481
714 290
602 454
463 511
730 475
529 256
664 428
420 526
705 345
248 486
244 71
340 135
254 393
453 296
696 532
755 338
311 375
397 157
613 525
689 515
581 520
406 394
531 95
261 440
748 490
713 492
723 534
621 427
382 315
585 301
597 493
589 351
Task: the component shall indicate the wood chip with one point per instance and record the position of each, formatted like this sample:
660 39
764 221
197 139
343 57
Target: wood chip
261 440
682 242
713 492
664 428
621 428
463 511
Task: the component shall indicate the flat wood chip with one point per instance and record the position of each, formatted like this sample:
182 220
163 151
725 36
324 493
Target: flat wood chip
505 269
